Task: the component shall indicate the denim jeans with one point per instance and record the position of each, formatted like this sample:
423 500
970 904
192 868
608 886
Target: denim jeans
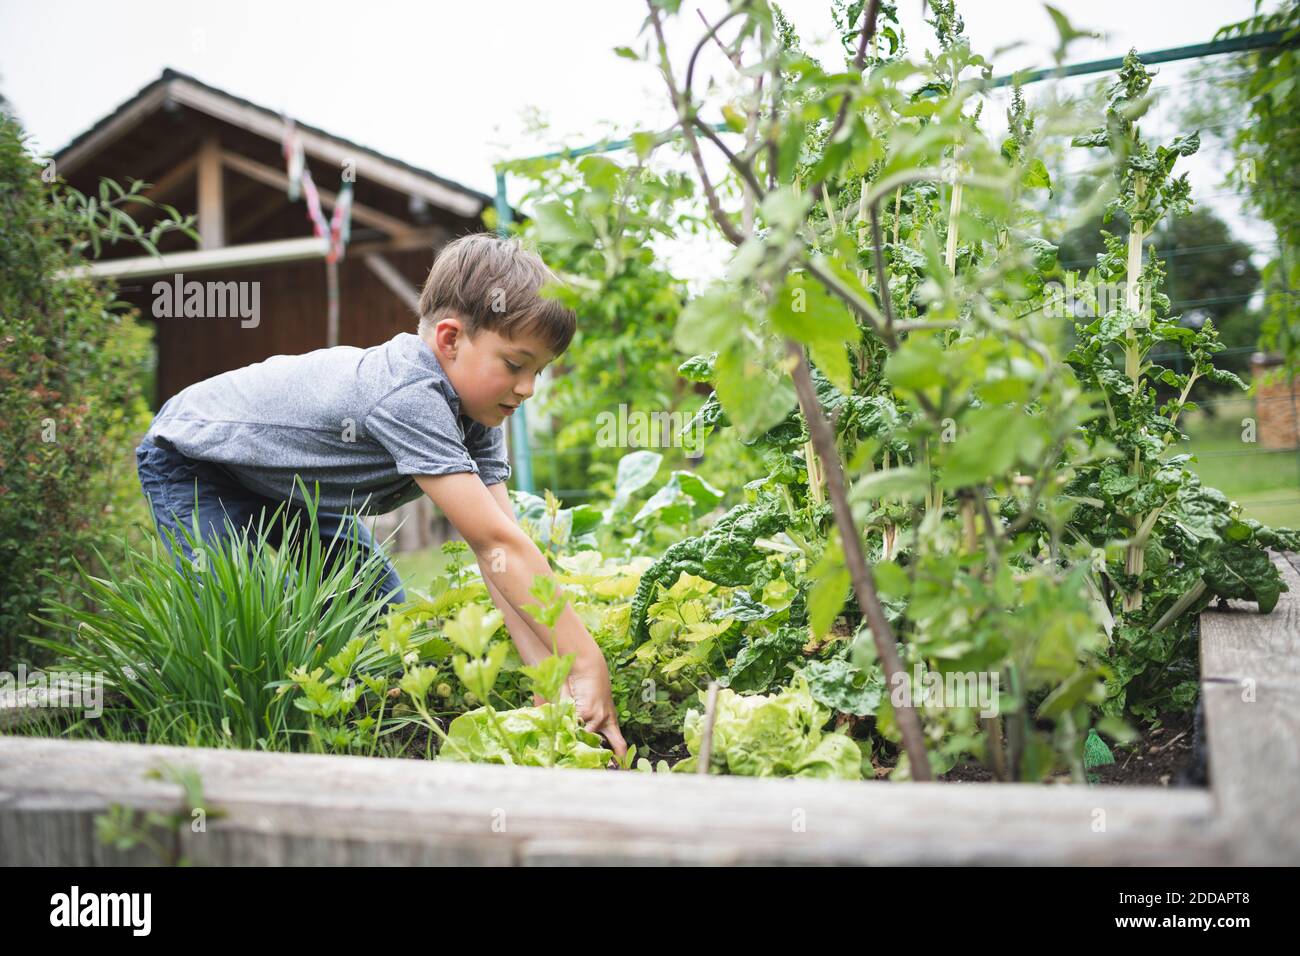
173 483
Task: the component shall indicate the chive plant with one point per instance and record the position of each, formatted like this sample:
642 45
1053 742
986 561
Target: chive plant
194 646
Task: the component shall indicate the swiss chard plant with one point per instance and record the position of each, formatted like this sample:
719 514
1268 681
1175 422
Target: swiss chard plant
1166 545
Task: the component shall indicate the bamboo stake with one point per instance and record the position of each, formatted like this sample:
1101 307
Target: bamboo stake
706 742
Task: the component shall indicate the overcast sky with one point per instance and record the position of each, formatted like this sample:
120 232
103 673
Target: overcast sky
449 86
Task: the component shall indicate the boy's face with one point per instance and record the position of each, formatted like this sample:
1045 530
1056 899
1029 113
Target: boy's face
492 374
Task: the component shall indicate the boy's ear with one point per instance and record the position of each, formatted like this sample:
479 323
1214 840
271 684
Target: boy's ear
447 335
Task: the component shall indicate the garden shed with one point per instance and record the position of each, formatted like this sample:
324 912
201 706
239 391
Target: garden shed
224 158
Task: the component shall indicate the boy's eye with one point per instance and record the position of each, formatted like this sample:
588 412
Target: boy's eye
512 366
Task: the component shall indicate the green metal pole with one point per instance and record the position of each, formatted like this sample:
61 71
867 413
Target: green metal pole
1253 41
523 453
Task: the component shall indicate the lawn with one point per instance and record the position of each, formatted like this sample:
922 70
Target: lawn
1265 482
418 567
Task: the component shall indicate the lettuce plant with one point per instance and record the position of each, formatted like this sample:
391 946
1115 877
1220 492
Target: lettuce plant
780 735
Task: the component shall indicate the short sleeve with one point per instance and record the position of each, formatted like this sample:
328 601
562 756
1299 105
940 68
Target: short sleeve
487 446
415 425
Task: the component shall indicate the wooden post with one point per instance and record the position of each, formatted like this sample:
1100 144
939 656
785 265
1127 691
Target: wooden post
212 214
332 321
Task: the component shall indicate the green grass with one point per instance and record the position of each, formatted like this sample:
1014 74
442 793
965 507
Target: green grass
416 568
1264 482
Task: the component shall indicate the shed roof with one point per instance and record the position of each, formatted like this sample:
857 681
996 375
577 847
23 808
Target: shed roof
174 86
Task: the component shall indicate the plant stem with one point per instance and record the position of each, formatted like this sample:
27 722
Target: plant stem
864 585
954 210
997 757
1135 557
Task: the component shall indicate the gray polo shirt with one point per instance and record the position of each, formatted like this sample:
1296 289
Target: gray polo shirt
360 422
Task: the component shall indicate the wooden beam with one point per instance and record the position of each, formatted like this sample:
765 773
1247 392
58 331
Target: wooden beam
395 281
171 181
328 150
212 212
228 257
279 180
423 239
302 809
269 204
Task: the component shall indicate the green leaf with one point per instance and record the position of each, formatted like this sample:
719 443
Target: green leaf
803 310
480 674
1036 176
546 736
555 224
917 365
845 688
549 674
644 144
905 482
772 736
473 628
830 589
710 322
635 470
734 119
988 444
685 496
754 397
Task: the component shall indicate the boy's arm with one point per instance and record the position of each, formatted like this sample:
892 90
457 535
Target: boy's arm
529 644
510 561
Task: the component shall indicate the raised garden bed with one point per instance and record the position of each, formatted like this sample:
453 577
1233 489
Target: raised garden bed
288 809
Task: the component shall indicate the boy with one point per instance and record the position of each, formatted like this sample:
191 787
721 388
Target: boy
376 427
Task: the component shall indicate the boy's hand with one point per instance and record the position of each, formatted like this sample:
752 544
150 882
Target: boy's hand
485 518
594 703
594 700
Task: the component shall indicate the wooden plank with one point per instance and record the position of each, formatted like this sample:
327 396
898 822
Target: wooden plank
1250 671
1240 642
295 809
202 260
422 238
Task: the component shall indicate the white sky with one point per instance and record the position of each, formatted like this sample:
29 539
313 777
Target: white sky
447 85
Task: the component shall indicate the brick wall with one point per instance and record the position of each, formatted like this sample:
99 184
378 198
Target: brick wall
1277 402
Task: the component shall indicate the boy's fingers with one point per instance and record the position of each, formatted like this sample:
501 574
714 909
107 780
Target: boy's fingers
609 730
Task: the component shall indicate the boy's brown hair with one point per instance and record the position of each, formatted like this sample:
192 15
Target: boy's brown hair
493 283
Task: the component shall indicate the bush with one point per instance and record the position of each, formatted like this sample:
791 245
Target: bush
71 408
